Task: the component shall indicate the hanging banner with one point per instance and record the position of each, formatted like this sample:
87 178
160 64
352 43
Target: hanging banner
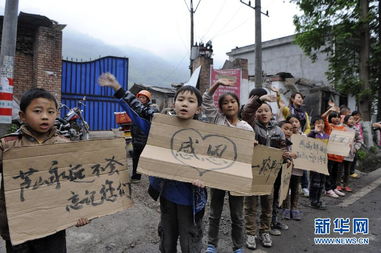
235 75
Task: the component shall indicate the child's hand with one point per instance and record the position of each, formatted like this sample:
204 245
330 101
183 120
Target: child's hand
109 80
224 82
274 89
82 222
198 183
268 98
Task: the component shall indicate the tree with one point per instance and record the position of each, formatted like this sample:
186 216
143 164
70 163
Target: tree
348 33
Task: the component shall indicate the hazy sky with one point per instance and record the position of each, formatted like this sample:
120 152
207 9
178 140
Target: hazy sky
163 27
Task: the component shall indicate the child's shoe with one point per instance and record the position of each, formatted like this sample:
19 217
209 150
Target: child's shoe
275 232
318 205
266 239
338 192
296 214
211 249
306 192
286 214
332 194
339 188
354 175
347 189
250 242
238 250
280 226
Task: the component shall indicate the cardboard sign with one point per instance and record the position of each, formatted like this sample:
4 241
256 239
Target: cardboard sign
49 187
266 164
285 182
339 142
311 154
186 150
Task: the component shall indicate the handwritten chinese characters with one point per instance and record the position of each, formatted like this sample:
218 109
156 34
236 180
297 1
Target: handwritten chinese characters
191 148
339 142
266 163
69 180
311 154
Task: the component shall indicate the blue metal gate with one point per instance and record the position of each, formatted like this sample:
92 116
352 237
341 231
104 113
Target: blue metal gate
79 79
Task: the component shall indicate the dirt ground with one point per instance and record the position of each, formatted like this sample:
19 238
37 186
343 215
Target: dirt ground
135 230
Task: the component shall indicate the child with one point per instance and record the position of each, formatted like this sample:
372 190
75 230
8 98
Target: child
335 162
229 106
259 115
182 205
349 160
317 180
292 212
38 112
359 128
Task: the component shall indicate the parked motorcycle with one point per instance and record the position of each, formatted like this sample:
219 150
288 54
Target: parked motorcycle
73 125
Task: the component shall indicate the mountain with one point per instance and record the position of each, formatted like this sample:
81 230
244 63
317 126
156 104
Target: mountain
144 67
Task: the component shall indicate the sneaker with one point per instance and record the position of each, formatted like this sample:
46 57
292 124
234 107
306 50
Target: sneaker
266 240
340 193
211 249
296 214
306 192
275 232
280 226
318 205
354 175
286 214
347 189
250 242
238 250
332 194
339 188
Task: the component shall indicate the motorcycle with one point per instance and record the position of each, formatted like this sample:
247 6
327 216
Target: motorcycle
73 125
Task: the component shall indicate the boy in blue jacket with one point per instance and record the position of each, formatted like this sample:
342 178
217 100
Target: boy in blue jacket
182 204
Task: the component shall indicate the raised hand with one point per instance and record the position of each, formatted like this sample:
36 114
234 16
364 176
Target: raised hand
224 82
109 80
268 98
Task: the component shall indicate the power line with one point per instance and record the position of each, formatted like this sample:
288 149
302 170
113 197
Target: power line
214 20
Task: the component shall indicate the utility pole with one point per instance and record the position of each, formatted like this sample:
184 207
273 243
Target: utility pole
258 40
7 57
192 12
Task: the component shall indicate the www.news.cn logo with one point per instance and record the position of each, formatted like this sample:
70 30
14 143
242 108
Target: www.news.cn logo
342 226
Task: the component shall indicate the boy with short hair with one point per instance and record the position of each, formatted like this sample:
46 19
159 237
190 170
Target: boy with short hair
38 112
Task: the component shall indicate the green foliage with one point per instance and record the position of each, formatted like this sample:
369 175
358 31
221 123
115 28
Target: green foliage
361 154
333 28
12 128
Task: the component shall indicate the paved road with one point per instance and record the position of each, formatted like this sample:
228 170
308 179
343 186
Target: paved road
134 230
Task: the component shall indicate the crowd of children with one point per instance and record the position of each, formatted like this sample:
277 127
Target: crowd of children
182 205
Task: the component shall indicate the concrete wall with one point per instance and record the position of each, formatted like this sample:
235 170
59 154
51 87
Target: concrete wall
282 55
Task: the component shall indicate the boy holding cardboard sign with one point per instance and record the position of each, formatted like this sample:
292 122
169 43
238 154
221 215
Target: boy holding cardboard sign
182 205
38 111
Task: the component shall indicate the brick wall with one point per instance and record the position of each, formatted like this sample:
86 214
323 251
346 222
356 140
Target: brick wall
23 73
38 60
204 78
47 61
